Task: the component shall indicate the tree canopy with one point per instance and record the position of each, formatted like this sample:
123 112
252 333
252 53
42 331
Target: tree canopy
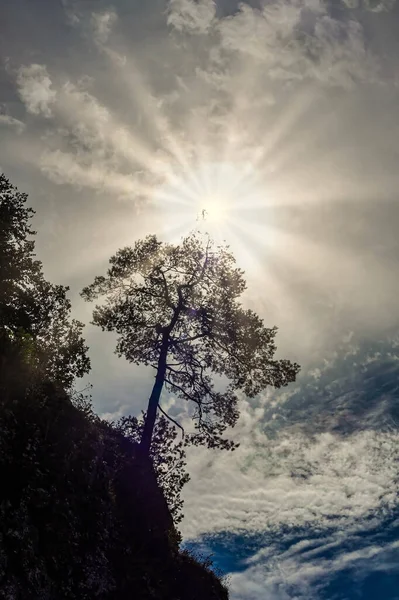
177 309
34 312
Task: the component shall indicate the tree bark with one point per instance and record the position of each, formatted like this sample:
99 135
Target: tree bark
145 442
150 418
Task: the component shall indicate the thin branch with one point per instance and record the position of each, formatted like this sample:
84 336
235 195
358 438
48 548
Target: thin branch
190 339
171 369
229 353
170 419
181 390
177 364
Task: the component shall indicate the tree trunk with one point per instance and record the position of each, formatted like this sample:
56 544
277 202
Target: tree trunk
145 442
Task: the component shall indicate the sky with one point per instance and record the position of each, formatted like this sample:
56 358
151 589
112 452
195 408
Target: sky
281 119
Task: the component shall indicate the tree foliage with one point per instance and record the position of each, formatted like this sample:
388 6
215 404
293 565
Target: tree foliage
33 312
177 309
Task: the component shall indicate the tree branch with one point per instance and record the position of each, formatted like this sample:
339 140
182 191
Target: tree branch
167 295
190 339
230 354
181 390
170 419
172 370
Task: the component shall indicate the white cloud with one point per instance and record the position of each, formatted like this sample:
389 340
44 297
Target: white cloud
191 16
281 478
102 24
291 480
338 487
292 41
35 89
71 12
95 26
68 168
85 146
300 574
371 5
115 415
8 121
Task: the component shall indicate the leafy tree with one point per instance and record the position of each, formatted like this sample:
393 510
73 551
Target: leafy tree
168 458
177 308
34 314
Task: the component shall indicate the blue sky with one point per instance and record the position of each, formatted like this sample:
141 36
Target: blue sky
344 543
126 118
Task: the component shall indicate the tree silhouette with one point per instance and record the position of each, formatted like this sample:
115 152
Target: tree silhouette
176 308
168 458
33 312
81 512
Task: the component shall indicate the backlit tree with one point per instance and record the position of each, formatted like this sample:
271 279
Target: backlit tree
177 309
34 313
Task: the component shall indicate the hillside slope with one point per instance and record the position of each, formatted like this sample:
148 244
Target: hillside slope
81 514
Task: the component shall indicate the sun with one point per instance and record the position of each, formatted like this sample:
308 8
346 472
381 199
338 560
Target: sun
221 199
214 209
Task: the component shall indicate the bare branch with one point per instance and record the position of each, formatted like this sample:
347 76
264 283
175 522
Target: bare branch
172 370
170 419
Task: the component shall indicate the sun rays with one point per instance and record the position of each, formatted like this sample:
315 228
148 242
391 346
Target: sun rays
215 146
227 181
223 184
216 197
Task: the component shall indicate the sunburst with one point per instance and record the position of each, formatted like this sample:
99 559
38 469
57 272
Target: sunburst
216 197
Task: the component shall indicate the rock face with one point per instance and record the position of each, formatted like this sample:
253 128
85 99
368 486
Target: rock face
81 514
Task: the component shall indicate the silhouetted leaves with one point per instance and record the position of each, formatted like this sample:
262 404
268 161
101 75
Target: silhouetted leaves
34 313
177 309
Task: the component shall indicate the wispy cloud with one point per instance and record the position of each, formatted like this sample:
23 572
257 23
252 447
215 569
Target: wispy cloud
371 5
190 16
305 569
85 146
115 415
8 121
292 481
95 26
35 89
337 493
294 41
102 24
293 467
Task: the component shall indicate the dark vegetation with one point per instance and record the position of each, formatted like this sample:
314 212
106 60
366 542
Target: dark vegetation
84 512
